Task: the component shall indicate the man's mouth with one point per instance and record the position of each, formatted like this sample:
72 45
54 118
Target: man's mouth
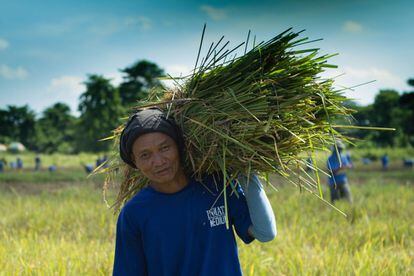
162 172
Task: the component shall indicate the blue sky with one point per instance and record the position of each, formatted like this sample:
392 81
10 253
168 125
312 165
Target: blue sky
47 48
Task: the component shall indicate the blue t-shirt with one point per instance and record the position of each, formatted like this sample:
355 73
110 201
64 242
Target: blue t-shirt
183 233
333 165
385 160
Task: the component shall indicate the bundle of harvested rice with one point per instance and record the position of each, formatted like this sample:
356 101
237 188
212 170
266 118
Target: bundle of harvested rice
257 112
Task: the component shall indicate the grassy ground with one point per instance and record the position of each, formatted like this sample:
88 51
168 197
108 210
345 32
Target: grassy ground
376 237
31 177
57 159
61 225
77 161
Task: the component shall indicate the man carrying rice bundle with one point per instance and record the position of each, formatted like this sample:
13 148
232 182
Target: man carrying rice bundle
176 225
188 166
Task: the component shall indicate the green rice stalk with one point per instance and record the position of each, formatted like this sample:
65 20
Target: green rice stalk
258 112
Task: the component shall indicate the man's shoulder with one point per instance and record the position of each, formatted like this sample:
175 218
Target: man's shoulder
139 201
211 182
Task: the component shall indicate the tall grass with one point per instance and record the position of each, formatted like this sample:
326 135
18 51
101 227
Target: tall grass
28 176
66 229
376 238
58 159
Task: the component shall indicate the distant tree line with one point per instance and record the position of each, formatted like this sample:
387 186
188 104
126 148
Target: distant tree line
102 106
390 109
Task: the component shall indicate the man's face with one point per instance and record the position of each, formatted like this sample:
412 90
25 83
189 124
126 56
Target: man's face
156 156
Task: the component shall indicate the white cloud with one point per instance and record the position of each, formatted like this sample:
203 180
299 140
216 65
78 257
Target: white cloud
96 25
61 27
12 73
69 85
66 89
44 54
352 27
110 26
3 44
143 23
214 13
115 77
106 28
382 76
365 94
176 71
167 23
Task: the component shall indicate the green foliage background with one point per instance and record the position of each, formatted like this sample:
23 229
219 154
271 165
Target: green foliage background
102 106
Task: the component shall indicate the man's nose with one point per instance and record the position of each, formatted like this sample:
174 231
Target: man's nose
158 160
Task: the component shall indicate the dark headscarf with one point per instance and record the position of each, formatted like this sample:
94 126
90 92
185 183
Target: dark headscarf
148 121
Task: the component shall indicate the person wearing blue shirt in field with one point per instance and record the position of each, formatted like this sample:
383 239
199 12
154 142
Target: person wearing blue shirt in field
177 224
38 163
337 164
19 163
385 161
3 164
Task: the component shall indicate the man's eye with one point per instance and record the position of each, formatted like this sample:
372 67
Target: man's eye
144 156
165 148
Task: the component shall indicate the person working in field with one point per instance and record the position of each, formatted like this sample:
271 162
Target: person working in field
337 164
385 161
177 224
38 163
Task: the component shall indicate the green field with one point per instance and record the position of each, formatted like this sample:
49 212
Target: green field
57 159
58 224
